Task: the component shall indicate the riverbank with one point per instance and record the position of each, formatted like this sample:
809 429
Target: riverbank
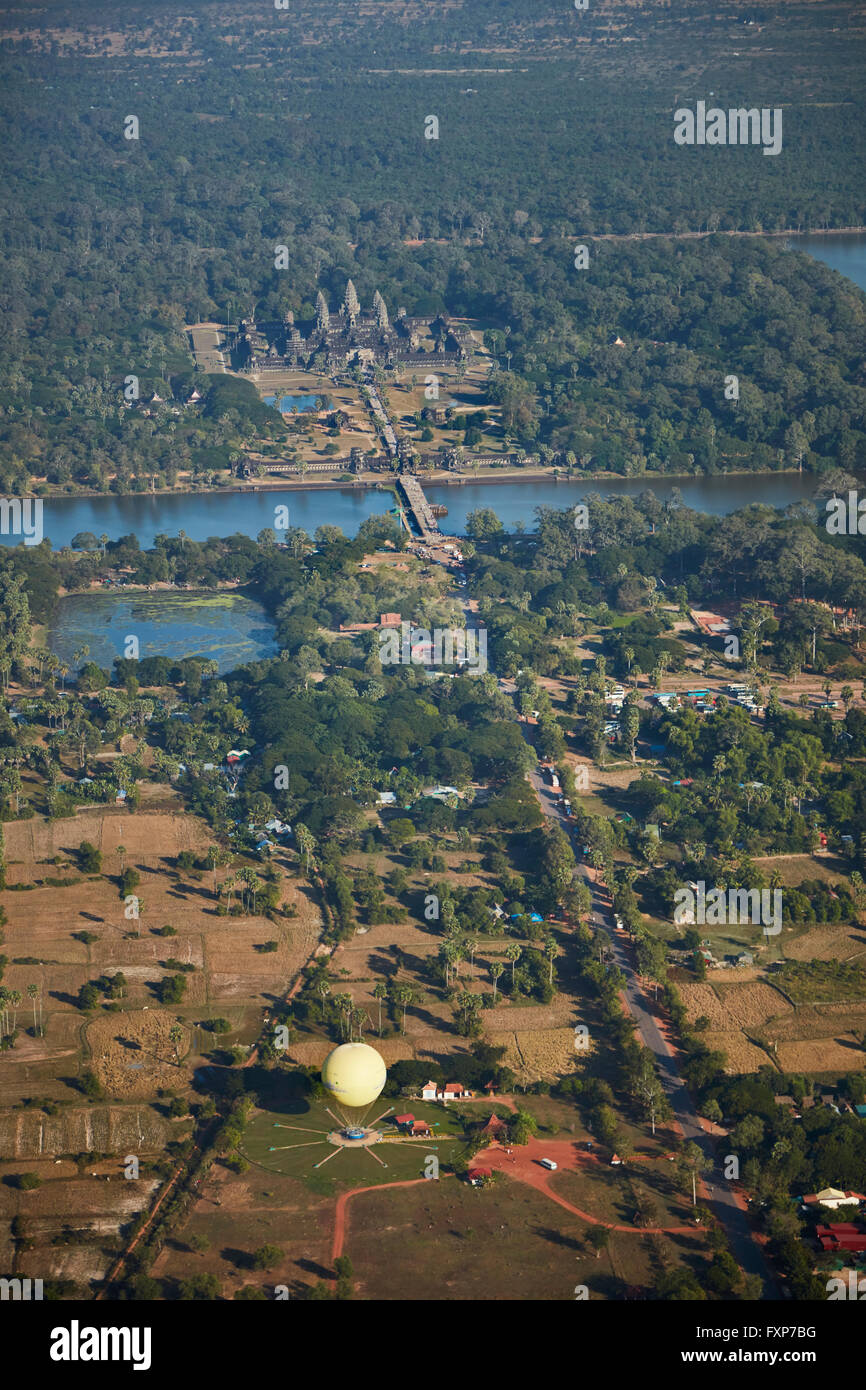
436 478
643 236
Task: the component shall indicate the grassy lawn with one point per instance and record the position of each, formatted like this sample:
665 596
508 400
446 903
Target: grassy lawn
292 1144
612 1194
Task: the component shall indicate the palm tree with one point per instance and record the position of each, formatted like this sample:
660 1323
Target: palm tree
379 993
344 1004
405 997
496 970
217 858
551 950
33 992
448 955
324 990
513 953
306 845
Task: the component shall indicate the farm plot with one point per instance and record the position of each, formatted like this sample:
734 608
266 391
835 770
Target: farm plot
751 1004
133 1054
701 1001
742 1055
540 1054
839 1054
104 1129
37 840
77 934
835 941
816 1021
92 1209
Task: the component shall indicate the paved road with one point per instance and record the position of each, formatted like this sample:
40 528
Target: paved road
720 1197
205 346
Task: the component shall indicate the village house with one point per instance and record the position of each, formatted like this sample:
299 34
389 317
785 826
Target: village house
833 1198
452 1091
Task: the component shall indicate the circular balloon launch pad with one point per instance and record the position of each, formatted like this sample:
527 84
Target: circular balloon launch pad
354 1137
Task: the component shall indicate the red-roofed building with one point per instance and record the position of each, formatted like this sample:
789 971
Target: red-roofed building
420 1127
453 1090
404 1121
494 1126
390 619
833 1197
477 1175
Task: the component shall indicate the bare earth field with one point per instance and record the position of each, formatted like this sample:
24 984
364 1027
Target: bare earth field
836 941
823 1038
128 1047
237 1215
231 978
73 1220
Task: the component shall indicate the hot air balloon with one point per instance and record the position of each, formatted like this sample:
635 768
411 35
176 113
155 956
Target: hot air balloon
354 1074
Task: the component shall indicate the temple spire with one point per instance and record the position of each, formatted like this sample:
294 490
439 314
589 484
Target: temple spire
323 317
351 304
381 311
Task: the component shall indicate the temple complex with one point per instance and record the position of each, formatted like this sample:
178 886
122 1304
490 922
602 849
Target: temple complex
349 337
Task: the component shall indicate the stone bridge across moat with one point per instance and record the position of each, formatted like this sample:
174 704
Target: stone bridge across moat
418 506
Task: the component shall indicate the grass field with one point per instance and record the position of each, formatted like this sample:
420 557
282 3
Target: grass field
235 1215
294 1143
446 1240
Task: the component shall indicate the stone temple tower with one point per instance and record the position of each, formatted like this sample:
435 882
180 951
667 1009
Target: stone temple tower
351 304
381 312
323 317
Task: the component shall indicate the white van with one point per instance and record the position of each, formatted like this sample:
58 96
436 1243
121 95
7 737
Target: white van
548 1163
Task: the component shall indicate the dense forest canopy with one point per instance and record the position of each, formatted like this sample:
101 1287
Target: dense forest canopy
286 130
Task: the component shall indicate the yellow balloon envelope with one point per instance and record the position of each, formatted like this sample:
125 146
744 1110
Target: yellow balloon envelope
354 1074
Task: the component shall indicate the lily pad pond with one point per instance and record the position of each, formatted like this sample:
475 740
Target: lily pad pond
286 404
227 628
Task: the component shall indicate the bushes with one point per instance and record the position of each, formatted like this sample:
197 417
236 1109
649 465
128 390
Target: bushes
172 989
27 1182
89 858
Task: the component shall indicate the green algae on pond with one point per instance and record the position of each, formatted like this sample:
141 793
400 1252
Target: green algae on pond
227 628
